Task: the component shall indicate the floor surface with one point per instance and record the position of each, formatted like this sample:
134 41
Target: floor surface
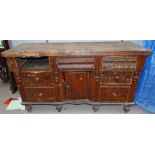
5 94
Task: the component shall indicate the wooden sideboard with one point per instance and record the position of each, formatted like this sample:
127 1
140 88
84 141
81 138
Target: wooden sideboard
95 73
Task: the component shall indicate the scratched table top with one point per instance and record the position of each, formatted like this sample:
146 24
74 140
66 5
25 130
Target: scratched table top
76 49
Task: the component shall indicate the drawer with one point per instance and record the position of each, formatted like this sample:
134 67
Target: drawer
40 94
114 94
36 79
119 65
76 63
117 77
119 62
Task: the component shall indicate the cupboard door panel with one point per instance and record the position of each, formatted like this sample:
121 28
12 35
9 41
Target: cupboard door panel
77 85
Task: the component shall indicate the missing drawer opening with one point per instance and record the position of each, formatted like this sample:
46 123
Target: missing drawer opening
34 63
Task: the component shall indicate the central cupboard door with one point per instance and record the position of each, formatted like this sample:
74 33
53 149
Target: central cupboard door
77 85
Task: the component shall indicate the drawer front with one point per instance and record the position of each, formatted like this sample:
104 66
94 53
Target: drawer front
119 62
117 77
40 94
39 79
76 63
119 65
113 94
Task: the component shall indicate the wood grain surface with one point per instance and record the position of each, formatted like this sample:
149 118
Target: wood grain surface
76 49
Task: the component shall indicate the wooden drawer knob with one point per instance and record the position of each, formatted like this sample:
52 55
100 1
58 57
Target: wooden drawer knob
37 79
116 77
40 94
81 78
66 86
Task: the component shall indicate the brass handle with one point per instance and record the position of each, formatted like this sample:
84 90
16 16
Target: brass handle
37 79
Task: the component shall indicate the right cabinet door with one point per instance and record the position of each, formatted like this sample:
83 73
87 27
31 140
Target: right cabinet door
77 85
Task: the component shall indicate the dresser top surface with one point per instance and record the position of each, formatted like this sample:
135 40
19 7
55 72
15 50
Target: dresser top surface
76 49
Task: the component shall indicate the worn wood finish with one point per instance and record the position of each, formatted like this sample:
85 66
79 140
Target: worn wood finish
77 85
76 49
76 63
113 93
42 94
101 73
37 79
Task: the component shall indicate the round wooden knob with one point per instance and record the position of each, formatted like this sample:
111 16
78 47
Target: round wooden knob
67 86
81 78
116 77
40 94
114 94
37 79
